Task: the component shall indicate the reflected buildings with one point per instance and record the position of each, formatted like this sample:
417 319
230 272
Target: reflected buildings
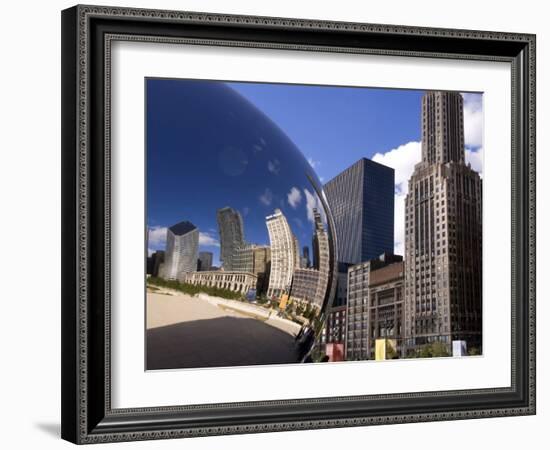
205 261
182 248
321 257
283 258
154 263
230 225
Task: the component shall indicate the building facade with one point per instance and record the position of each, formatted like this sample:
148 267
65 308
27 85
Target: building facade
357 308
334 331
443 232
283 257
321 257
304 285
385 318
242 259
341 294
205 261
361 200
154 263
230 225
233 281
182 250
306 257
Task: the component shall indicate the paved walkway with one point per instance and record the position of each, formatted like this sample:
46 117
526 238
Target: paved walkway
187 332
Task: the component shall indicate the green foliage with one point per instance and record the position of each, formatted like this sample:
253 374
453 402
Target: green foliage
433 350
474 351
262 300
317 355
192 289
391 353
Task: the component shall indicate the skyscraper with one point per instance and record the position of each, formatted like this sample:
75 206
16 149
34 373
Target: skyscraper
205 261
230 224
282 254
443 232
321 256
306 256
182 247
361 200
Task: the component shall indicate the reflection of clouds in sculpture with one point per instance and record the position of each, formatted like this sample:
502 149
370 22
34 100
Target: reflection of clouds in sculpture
228 154
314 202
294 197
232 161
267 197
274 166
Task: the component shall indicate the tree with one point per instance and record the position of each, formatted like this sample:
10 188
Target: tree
433 350
474 351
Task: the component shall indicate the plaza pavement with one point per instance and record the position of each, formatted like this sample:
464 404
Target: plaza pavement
191 332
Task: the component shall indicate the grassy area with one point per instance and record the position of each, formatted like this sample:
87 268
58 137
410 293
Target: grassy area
191 289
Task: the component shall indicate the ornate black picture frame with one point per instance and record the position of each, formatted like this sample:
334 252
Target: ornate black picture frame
87 34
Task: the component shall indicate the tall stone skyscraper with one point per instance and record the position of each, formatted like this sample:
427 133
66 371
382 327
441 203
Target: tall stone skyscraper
230 224
283 258
182 250
361 200
443 232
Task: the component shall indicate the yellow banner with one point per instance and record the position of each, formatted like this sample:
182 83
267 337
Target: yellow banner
284 301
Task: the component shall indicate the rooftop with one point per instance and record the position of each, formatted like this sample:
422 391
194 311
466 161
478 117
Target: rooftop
182 228
387 273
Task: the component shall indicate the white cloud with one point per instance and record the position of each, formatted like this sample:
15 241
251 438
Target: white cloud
274 166
313 163
267 197
314 202
402 159
294 197
157 236
208 240
475 158
298 222
473 120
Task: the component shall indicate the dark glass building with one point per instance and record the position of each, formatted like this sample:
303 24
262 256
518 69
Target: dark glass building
361 200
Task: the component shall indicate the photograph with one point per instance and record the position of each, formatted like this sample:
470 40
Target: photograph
293 223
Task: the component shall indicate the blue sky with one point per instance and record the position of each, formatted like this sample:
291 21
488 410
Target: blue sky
331 126
336 126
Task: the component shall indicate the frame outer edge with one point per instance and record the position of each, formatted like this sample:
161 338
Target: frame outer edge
75 217
69 234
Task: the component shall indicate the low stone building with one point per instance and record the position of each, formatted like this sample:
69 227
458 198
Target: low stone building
234 281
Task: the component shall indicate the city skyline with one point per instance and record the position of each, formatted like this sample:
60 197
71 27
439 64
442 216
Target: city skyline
399 149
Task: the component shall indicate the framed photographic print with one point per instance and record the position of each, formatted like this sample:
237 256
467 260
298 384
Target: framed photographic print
282 224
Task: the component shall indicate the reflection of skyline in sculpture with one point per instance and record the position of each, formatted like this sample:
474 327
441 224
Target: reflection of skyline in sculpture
283 258
322 257
247 164
230 225
182 248
205 261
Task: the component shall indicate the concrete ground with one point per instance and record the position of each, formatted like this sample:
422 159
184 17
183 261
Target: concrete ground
188 332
